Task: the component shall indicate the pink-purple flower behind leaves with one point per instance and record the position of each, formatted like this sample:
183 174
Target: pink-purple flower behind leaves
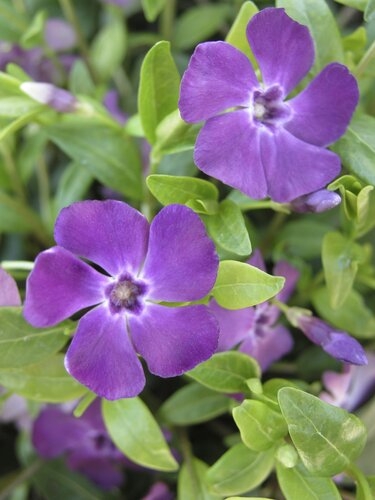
171 260
255 139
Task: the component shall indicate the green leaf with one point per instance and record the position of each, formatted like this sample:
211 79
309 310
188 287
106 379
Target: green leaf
34 35
356 4
239 470
237 34
357 147
73 186
194 404
302 238
259 425
55 480
23 345
136 433
191 481
173 135
16 106
108 48
12 218
370 11
239 285
353 316
297 483
327 438
317 16
12 23
169 189
227 228
105 152
152 8
158 88
226 372
47 381
340 258
206 20
80 80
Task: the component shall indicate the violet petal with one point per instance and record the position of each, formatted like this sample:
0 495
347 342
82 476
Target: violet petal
323 110
181 263
109 233
228 149
291 275
102 357
9 294
344 348
174 340
268 345
102 471
294 168
316 202
59 286
218 77
283 48
59 34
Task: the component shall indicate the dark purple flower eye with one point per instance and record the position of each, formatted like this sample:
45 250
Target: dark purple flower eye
172 260
255 138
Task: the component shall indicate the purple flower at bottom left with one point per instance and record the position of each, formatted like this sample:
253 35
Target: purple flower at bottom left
142 268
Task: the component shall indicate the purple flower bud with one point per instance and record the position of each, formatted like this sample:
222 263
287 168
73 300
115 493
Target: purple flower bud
319 201
54 97
336 343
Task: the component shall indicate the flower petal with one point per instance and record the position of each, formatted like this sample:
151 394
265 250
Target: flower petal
110 233
102 357
283 48
218 77
291 275
173 340
294 168
59 286
234 325
228 149
322 111
9 294
181 263
268 347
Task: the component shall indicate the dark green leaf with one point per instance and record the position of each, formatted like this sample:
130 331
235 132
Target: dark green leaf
136 433
194 404
152 8
327 438
158 88
191 481
226 372
239 285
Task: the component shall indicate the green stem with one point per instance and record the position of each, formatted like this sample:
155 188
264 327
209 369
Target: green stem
12 172
167 19
71 16
23 265
21 121
365 61
44 190
21 478
353 471
276 223
188 456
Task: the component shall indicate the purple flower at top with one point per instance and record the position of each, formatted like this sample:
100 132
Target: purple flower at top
319 201
84 441
9 294
255 329
334 342
145 268
255 139
351 388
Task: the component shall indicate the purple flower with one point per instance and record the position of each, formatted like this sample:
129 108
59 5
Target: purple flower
255 329
351 388
336 343
59 35
15 410
253 139
159 491
84 442
59 99
319 201
172 260
9 294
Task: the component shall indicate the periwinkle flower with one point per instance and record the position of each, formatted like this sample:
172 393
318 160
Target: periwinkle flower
159 491
317 202
336 343
9 294
83 441
59 99
255 138
352 387
255 329
146 267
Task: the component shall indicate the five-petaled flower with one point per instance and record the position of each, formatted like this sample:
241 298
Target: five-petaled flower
254 139
145 268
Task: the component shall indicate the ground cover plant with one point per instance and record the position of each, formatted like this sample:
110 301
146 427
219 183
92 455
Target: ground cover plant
187 216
